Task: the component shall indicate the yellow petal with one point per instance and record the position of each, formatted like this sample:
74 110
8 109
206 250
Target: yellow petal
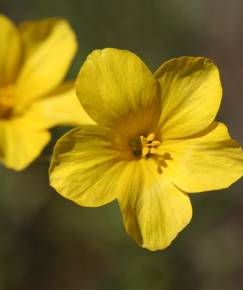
207 162
115 85
49 46
191 95
85 165
20 142
10 51
153 209
150 137
61 107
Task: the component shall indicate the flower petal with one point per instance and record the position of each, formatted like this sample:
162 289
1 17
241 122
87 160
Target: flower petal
207 162
10 51
49 46
20 142
114 84
61 107
153 209
85 165
191 95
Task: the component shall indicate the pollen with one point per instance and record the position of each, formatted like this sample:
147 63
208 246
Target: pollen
144 146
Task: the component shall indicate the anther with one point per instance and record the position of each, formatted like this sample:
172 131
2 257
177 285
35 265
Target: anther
149 145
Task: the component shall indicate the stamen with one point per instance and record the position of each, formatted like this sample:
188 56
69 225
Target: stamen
155 143
145 151
153 150
150 137
144 146
149 145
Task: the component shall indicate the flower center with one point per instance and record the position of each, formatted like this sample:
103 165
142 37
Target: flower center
144 146
6 101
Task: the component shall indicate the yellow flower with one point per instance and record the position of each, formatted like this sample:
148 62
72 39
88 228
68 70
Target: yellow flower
34 58
154 140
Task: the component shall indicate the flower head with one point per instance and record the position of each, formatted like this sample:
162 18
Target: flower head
34 59
155 140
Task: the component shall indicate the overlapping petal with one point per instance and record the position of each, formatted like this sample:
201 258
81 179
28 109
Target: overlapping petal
85 165
49 47
10 51
153 209
114 85
60 107
20 142
206 162
190 93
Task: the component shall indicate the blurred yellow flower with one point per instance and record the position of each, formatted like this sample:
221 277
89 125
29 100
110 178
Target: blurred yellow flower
154 140
34 58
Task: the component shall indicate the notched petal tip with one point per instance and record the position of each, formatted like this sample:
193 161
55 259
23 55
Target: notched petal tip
120 83
191 95
211 160
154 210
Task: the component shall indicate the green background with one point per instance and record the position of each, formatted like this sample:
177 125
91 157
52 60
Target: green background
47 242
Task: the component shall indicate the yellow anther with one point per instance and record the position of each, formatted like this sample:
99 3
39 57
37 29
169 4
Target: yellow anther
145 151
143 140
144 146
153 150
150 137
149 145
155 143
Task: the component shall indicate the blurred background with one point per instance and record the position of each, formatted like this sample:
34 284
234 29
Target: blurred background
47 242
